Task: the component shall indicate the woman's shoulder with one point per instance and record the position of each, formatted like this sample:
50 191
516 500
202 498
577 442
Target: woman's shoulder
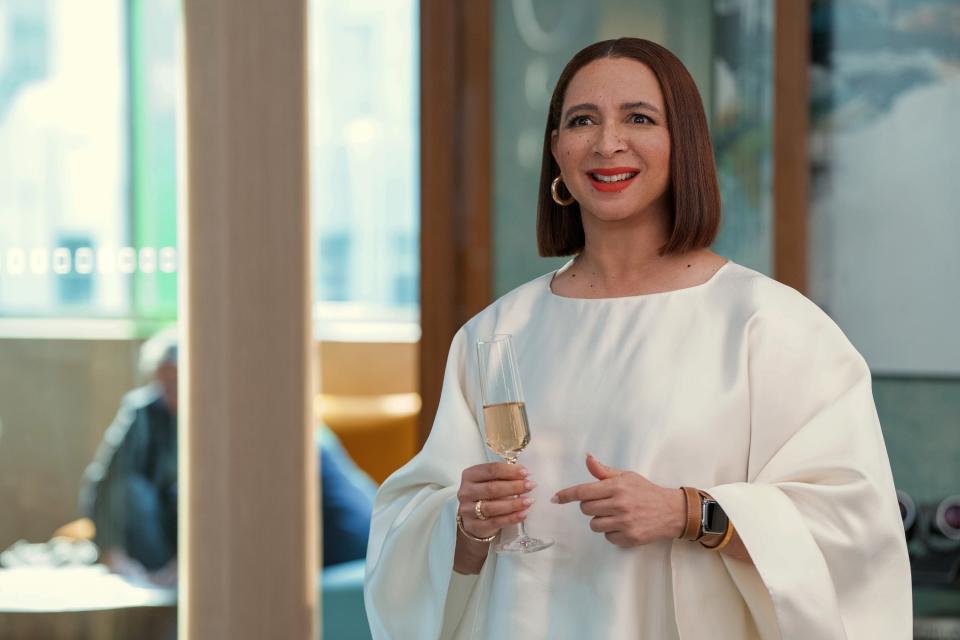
778 314
758 293
519 302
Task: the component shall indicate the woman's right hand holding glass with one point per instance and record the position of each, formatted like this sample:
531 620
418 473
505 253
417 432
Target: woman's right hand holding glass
501 489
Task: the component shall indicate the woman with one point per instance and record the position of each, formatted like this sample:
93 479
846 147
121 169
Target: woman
691 380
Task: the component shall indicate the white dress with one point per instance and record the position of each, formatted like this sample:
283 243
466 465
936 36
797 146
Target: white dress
739 386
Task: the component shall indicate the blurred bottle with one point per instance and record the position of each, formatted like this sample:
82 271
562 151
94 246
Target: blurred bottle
908 513
946 522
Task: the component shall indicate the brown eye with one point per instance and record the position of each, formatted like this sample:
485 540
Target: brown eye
579 121
639 118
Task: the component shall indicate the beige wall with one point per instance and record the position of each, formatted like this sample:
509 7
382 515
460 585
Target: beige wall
56 398
368 368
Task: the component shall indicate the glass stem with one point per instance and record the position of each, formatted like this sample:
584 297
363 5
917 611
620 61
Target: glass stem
521 525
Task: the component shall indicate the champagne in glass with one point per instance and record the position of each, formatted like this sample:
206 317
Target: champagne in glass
506 430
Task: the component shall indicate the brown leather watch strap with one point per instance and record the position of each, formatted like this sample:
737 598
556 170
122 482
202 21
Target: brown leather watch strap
692 529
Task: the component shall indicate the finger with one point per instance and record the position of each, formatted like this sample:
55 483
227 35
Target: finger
580 492
494 471
488 527
604 524
606 507
599 470
618 538
504 521
495 508
496 489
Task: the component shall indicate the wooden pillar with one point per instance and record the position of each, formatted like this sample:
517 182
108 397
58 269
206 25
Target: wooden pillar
455 156
791 165
248 482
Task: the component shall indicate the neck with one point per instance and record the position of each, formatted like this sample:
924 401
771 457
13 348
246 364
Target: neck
619 249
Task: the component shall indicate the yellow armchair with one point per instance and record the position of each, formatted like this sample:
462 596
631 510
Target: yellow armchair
378 431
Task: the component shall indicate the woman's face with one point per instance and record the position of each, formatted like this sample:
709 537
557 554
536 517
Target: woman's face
612 144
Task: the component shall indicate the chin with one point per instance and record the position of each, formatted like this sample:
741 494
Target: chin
615 213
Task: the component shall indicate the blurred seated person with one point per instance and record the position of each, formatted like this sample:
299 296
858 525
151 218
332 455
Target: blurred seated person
130 488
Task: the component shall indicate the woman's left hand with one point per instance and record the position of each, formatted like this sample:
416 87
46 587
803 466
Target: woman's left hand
626 507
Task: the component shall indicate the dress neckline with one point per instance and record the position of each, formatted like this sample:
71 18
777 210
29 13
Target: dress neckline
640 296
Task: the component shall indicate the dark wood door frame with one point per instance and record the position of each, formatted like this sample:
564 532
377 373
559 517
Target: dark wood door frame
455 180
791 165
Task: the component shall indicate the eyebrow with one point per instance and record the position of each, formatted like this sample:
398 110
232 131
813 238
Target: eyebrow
589 106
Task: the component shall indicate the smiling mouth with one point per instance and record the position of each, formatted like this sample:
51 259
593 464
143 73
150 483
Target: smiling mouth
619 177
612 180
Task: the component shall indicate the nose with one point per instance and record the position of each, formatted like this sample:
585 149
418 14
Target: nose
608 141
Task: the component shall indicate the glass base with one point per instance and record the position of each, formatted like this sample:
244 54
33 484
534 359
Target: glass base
523 545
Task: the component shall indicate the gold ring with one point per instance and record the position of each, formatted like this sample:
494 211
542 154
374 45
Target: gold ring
477 511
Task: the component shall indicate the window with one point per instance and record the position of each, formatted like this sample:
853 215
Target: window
62 171
364 168
87 160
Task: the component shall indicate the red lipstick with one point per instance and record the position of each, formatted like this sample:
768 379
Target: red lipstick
619 185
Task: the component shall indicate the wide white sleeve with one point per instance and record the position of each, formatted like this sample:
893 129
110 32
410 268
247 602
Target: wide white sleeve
410 589
819 513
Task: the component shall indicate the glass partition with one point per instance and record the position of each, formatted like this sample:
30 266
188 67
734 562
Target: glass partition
727 46
364 78
88 273
364 178
884 263
884 151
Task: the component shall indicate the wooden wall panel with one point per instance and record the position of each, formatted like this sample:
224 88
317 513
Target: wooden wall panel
57 397
791 165
248 526
455 156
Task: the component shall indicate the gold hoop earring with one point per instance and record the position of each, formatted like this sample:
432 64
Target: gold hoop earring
555 192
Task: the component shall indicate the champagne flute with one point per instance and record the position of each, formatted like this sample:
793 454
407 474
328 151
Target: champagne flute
505 419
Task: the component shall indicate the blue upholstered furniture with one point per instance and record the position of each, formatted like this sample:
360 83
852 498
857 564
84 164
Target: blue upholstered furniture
342 602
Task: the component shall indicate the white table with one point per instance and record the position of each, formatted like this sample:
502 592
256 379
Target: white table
71 602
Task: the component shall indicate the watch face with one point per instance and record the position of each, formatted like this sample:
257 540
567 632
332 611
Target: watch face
713 518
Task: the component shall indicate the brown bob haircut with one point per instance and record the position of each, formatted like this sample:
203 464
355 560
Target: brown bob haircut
693 193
